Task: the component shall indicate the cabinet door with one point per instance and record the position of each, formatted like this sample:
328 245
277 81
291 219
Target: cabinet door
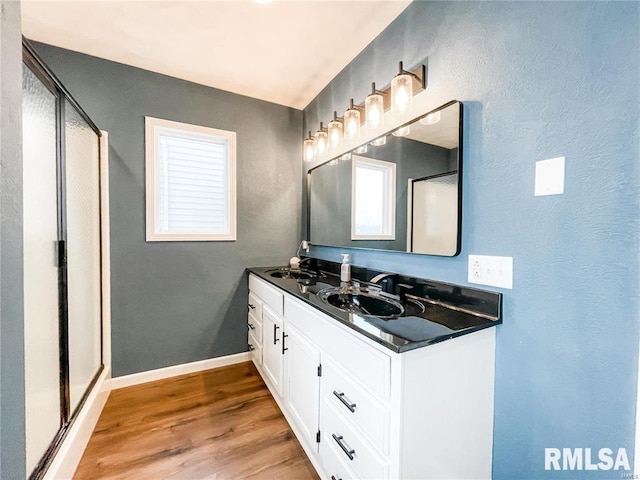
272 358
302 383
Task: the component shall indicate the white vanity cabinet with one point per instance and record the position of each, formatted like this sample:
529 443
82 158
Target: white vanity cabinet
363 411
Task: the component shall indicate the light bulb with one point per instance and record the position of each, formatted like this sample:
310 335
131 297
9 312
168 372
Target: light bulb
402 93
320 141
362 149
334 131
309 148
374 111
379 141
431 118
352 122
402 131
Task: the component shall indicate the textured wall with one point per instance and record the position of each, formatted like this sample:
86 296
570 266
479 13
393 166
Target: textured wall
177 302
538 80
12 423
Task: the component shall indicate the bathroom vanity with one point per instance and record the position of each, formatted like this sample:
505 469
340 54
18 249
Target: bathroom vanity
405 395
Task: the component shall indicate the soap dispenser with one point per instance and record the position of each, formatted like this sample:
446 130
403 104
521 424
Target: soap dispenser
345 269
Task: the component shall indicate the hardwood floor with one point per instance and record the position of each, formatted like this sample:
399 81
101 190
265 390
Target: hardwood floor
220 424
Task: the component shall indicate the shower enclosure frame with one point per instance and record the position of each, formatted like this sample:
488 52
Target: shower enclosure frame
63 98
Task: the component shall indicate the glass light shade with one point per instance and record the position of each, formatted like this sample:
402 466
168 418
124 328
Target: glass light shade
309 150
402 93
374 111
402 131
333 162
320 142
379 141
352 123
362 149
431 118
346 156
334 131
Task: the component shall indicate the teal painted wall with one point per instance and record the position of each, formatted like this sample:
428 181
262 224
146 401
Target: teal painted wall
538 80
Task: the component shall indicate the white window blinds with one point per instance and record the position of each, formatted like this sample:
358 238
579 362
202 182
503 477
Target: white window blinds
193 182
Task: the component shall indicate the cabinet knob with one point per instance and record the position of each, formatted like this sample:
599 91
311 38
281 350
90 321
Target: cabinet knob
333 477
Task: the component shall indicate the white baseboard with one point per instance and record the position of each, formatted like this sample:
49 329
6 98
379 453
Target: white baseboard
174 371
68 456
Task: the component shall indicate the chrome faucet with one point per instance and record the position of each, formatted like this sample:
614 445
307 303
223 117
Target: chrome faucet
388 280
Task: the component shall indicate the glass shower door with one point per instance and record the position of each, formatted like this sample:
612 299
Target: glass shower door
41 300
83 246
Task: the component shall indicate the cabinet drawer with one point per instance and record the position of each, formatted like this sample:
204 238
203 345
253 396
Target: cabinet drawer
255 306
331 458
268 294
255 327
256 353
371 367
359 407
340 435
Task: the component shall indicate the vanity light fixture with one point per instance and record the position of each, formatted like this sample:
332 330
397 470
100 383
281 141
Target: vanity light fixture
346 156
362 149
352 121
320 141
309 148
402 88
334 131
374 108
431 118
398 96
379 141
402 131
333 162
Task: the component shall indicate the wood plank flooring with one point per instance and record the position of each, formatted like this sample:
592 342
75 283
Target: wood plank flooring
220 424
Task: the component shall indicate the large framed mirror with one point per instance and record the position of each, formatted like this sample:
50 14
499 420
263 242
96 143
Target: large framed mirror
401 192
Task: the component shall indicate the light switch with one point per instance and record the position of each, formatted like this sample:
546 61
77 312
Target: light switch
550 177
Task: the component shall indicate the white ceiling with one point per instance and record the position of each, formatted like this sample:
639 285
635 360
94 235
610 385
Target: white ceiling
284 51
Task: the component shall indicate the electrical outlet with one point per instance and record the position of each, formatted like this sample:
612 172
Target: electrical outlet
493 271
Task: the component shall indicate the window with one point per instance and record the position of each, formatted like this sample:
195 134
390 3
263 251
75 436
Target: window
373 199
191 176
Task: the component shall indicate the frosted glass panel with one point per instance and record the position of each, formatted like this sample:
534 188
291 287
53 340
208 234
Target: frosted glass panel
435 215
83 258
42 364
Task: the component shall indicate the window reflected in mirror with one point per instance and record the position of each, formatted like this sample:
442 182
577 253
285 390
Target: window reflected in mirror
373 199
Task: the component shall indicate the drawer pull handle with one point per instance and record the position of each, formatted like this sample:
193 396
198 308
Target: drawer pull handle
284 337
251 348
333 477
345 402
251 327
275 334
347 452
252 307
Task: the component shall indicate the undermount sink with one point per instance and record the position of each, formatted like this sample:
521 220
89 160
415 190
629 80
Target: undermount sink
354 300
291 273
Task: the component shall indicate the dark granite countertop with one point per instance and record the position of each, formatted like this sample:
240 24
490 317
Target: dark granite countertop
449 310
